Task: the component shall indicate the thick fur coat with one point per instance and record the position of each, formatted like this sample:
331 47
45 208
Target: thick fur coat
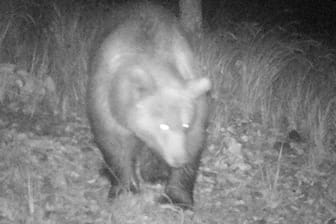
145 89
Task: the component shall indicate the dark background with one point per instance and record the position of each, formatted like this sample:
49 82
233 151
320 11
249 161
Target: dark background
316 18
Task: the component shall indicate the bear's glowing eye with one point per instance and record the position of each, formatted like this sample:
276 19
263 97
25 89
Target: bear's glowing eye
164 127
185 125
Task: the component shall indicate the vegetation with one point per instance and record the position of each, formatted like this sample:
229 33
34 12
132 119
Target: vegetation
271 147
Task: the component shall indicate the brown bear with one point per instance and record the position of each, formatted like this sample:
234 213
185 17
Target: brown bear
145 89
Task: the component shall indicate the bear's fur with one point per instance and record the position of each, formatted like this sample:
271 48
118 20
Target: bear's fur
145 90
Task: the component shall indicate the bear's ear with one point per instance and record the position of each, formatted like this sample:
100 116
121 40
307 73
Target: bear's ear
198 87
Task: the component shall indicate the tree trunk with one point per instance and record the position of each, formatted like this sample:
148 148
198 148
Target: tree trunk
191 15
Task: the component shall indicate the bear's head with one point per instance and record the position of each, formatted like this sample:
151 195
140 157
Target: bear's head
163 118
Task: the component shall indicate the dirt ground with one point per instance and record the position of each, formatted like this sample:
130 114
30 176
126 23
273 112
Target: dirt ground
50 173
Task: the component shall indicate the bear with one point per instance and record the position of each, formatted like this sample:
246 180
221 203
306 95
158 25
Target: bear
145 92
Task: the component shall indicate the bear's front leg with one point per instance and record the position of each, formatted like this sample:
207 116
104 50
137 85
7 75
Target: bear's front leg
121 166
124 180
180 186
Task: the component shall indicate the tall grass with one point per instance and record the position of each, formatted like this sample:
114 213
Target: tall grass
285 80
51 39
69 38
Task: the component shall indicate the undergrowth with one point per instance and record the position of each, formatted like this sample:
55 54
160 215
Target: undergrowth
280 79
276 77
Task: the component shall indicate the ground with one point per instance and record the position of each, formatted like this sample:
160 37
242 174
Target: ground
50 173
